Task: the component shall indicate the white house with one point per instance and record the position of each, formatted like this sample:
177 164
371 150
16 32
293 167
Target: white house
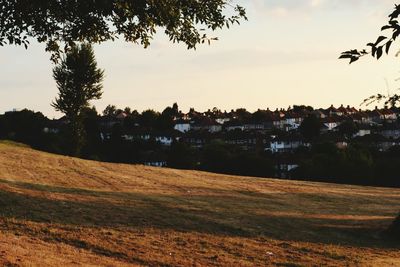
156 163
182 126
362 132
330 123
234 127
281 146
391 133
388 115
207 124
165 140
293 122
287 167
222 120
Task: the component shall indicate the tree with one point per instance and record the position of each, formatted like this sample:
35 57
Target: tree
90 120
110 111
149 118
167 117
348 128
79 81
57 22
310 128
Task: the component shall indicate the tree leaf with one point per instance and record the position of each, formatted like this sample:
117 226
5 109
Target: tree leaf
379 52
380 39
387 48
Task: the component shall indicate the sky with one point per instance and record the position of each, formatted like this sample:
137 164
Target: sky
286 54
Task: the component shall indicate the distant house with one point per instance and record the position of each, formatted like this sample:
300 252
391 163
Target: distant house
121 116
254 126
391 131
377 141
361 118
351 110
156 163
128 137
246 140
285 165
287 144
377 116
182 126
331 123
108 122
342 144
293 121
332 111
196 139
234 125
167 138
206 124
362 132
319 113
54 126
279 123
386 145
388 115
222 120
155 160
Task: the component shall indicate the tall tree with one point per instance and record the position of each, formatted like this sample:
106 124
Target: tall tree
57 22
79 81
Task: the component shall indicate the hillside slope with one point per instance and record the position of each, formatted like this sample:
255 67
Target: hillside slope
58 211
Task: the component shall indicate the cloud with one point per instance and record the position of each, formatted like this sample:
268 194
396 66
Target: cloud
285 8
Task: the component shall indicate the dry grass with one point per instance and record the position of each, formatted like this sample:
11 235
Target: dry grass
58 211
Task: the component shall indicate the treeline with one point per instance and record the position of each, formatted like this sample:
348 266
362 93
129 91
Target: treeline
324 161
357 164
28 127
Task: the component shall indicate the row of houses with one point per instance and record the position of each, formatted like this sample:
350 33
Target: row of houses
275 131
286 120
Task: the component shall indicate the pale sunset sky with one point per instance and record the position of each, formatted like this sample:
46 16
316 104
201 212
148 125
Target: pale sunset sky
286 54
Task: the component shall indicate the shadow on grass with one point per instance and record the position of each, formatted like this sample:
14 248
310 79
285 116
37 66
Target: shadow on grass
239 215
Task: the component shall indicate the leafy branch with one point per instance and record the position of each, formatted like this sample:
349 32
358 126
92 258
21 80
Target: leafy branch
383 43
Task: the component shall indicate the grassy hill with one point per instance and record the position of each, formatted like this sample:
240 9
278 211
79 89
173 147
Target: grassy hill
57 211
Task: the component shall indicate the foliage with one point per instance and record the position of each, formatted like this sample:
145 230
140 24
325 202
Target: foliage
220 157
23 126
382 45
149 118
92 144
347 128
310 128
110 111
78 81
181 156
57 22
327 163
166 118
383 42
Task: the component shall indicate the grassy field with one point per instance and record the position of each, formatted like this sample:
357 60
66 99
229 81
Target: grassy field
60 211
